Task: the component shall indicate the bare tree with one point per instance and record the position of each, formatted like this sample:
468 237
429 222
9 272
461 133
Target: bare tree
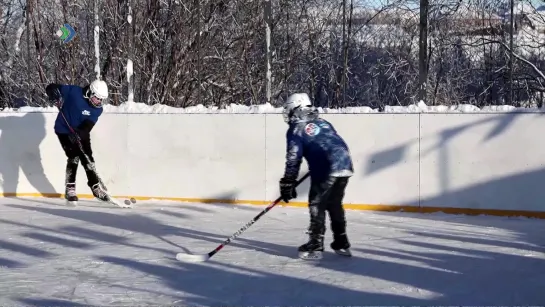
344 53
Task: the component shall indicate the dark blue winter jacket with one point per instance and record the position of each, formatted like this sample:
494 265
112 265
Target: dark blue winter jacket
317 141
79 113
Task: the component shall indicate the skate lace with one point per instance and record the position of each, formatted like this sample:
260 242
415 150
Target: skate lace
99 192
71 192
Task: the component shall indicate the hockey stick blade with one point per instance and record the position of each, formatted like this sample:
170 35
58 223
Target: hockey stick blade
204 257
190 258
116 202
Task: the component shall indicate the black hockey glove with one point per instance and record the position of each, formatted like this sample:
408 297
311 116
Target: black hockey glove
83 131
54 94
287 189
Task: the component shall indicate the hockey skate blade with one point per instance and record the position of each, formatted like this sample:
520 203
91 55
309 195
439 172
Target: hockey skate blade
311 255
344 252
71 203
183 257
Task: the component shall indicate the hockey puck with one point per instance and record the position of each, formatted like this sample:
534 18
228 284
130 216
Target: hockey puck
128 202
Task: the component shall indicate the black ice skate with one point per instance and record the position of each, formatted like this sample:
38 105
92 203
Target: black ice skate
312 250
70 194
102 195
341 245
99 193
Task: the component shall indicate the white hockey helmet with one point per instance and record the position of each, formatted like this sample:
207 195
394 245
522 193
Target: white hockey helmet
98 92
295 106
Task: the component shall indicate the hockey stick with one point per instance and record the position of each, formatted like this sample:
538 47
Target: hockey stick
203 257
89 163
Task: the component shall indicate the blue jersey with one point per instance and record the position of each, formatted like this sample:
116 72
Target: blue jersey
75 108
324 150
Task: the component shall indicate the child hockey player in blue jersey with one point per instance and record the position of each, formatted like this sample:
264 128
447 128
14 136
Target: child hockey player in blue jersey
330 167
81 107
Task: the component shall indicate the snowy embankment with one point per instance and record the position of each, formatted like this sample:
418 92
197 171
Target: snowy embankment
136 107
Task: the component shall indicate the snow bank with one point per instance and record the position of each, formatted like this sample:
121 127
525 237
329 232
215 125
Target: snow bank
142 108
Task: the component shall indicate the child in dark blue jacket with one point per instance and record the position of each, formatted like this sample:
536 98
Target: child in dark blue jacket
80 107
330 166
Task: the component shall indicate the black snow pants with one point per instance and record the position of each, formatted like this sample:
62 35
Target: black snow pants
327 195
74 155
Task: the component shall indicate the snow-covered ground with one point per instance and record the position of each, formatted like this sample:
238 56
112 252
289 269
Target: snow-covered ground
100 255
139 108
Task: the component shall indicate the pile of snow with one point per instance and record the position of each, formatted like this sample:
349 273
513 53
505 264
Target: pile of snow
421 107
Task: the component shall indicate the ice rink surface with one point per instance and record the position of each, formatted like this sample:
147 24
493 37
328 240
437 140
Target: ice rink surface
94 254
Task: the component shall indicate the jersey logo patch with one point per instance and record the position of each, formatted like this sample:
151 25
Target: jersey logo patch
312 129
85 112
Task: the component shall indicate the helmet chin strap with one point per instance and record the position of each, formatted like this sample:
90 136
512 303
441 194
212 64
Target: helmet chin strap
95 101
87 95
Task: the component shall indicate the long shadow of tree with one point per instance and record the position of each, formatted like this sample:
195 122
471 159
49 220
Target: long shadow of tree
212 286
465 267
452 273
138 224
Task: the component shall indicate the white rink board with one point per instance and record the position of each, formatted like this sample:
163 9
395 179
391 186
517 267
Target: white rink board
197 156
482 161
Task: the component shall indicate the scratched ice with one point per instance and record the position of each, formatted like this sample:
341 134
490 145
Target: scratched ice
99 255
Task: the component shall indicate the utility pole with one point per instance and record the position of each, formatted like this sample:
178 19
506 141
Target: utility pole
267 16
